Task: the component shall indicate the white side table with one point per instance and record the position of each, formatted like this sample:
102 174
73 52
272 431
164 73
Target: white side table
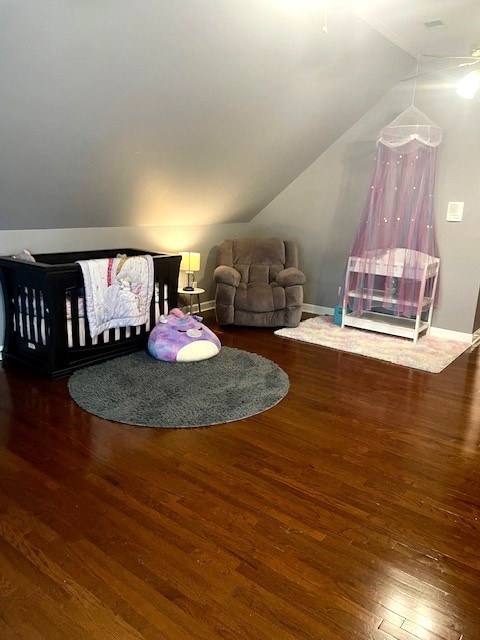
196 292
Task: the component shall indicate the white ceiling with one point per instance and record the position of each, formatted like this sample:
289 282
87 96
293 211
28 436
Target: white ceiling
402 22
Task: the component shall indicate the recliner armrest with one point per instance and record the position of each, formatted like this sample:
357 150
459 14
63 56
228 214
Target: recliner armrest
290 277
227 275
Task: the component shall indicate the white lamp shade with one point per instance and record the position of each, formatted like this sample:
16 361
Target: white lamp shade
190 261
194 261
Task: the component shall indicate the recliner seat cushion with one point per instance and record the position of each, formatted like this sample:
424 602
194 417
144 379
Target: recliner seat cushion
259 297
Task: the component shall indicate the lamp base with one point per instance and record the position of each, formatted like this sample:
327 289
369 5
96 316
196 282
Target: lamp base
189 286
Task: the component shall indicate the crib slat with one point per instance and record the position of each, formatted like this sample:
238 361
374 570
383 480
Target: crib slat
39 316
16 309
157 297
74 317
31 314
23 310
88 337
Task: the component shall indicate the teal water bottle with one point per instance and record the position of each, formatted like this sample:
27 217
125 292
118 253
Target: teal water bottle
337 315
338 310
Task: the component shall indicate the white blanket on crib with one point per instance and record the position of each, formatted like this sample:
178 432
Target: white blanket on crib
118 291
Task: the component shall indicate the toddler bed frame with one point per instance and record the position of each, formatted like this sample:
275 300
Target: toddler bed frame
46 327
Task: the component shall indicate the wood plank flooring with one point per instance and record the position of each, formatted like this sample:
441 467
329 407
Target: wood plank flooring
349 510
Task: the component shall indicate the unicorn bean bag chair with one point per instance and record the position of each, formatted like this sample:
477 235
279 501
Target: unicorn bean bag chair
182 338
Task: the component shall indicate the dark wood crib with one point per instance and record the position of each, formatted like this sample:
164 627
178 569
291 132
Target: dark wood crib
46 327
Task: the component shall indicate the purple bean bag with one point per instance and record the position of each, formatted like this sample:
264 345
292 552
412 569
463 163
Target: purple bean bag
182 338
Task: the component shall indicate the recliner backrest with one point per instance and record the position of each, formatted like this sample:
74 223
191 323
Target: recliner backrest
258 259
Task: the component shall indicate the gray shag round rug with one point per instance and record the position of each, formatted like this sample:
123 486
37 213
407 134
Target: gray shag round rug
137 389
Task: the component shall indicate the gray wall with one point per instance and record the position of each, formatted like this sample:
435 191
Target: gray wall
322 207
166 112
170 125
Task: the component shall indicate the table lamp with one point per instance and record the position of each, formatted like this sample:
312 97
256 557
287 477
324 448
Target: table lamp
190 263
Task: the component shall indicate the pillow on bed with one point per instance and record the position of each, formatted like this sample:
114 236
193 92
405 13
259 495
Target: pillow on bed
24 255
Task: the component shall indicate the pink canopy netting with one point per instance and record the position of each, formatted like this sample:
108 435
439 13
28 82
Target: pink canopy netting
396 228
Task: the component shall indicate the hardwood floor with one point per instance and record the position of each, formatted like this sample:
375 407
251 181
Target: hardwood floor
349 510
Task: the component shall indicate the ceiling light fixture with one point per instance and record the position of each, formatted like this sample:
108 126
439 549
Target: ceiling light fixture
470 84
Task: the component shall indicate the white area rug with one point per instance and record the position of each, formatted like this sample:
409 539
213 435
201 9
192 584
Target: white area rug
428 354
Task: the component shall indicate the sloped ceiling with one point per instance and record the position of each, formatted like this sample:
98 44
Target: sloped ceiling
161 112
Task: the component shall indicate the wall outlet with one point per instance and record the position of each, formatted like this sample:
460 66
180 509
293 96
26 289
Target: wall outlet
455 211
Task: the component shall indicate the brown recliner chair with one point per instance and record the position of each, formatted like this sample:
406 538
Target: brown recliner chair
258 283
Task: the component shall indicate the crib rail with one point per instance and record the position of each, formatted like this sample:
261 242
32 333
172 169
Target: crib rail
46 325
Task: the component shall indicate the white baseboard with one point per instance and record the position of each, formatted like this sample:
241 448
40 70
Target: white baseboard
205 306
308 308
208 305
476 338
320 311
448 334
437 332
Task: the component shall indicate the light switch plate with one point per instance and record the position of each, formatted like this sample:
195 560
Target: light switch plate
455 211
